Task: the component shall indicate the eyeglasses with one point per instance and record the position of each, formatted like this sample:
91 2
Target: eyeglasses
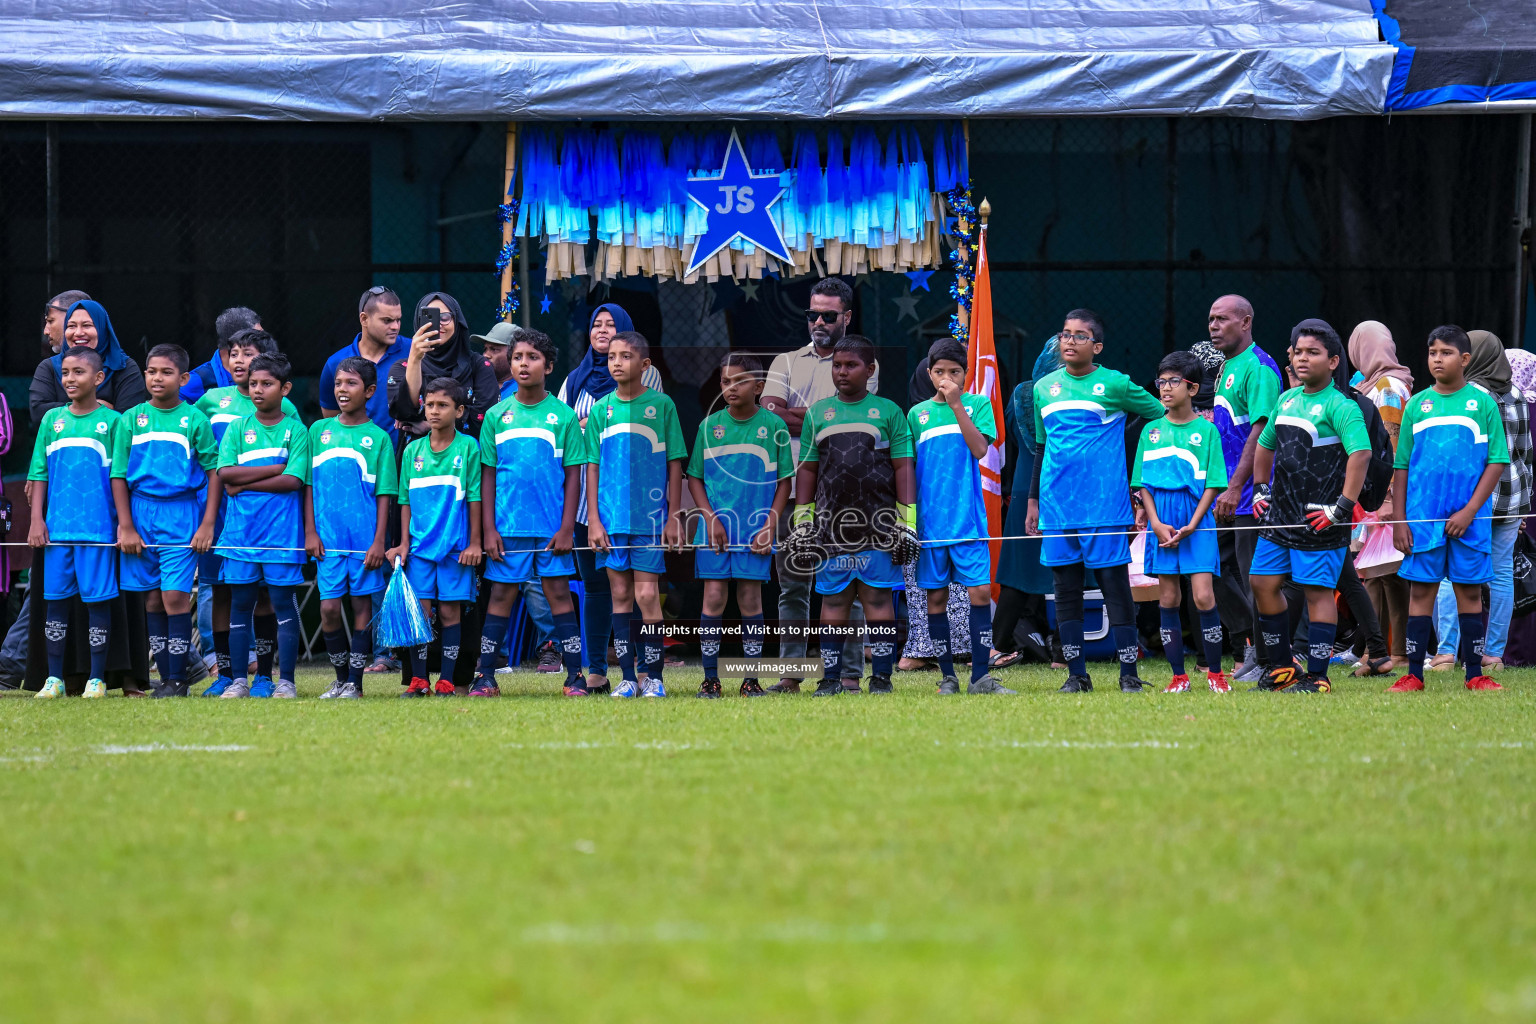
1079 338
1168 382
376 290
826 316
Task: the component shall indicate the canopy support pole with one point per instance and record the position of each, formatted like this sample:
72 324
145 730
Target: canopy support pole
510 227
1522 222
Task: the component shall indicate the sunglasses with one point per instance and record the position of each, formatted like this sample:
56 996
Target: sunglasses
377 289
1168 382
826 316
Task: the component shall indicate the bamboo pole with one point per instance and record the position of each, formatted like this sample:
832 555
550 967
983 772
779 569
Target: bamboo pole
960 310
510 227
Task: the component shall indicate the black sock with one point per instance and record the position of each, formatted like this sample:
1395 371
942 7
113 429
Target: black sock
158 628
1210 636
882 646
981 640
624 645
709 645
938 632
1129 648
337 649
221 652
264 638
1172 629
1320 646
178 644
55 630
1472 635
1275 630
100 619
831 659
419 662
362 651
1070 634
242 604
655 658
752 632
285 620
1416 640
491 633
568 639
450 659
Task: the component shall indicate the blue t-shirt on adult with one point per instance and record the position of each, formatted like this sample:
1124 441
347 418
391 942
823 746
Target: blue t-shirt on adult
378 405
197 381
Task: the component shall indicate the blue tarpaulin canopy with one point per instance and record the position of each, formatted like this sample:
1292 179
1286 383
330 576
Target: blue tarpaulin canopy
356 60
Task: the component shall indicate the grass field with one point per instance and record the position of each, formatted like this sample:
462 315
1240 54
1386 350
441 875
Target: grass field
1345 857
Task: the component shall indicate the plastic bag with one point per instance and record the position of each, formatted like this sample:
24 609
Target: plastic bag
1378 557
402 623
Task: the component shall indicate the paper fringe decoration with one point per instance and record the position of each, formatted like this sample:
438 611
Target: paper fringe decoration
401 622
610 207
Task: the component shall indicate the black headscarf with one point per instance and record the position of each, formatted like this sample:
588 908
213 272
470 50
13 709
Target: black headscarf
1321 330
454 358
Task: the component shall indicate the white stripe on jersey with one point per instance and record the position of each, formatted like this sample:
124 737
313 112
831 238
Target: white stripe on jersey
721 451
1105 418
1452 421
1175 453
263 453
540 433
164 435
657 445
1304 424
224 417
854 428
940 431
1237 420
345 453
81 442
440 481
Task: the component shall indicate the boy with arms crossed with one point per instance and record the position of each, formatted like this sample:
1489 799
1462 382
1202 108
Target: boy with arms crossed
1180 470
350 483
1080 497
952 432
263 463
634 453
166 500
739 476
71 464
856 467
530 482
1307 473
1451 451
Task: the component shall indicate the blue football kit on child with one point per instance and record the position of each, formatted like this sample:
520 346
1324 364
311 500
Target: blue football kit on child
438 487
951 505
1176 463
632 441
165 456
73 456
351 466
741 463
262 540
530 447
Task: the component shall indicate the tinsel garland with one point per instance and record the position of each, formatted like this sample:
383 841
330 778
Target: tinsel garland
511 302
958 200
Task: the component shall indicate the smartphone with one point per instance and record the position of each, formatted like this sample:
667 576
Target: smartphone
431 315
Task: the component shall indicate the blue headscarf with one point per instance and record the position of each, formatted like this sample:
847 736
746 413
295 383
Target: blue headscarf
1049 360
591 374
113 358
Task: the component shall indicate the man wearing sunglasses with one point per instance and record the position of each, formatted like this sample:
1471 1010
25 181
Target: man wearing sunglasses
378 341
797 380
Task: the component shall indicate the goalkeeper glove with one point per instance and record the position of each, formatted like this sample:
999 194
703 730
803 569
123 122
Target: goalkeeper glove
1323 517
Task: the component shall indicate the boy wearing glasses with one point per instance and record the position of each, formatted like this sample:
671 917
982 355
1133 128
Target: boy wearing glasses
1180 469
1080 497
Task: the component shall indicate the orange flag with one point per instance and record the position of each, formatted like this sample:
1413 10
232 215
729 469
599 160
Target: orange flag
984 378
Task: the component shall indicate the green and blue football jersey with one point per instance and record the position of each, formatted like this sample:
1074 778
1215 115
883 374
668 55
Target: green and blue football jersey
1176 463
741 463
259 526
632 441
530 447
350 467
73 455
1080 427
224 406
1445 444
950 503
164 453
1312 434
438 487
1247 390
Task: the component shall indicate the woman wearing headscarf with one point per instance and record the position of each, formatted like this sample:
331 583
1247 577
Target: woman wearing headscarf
1388 384
1492 370
87 324
446 355
586 384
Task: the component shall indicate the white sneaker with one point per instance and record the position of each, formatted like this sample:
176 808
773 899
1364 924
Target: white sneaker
95 689
52 689
626 689
286 689
653 688
235 690
336 690
349 691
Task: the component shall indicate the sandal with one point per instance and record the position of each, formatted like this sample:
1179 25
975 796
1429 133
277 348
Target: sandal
916 665
1001 659
1441 663
1491 665
1369 666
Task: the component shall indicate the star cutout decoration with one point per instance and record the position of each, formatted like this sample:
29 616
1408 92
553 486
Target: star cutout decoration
861 279
749 288
737 203
918 279
544 303
908 306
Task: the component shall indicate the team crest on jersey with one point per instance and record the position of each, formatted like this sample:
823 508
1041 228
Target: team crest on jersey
874 414
762 433
506 417
185 421
826 416
650 412
101 428
1317 410
367 442
551 418
719 432
250 437
1426 406
143 419
1471 403
922 418
1194 439
58 426
420 463
1098 389
1155 436
1231 379
224 402
458 462
325 437
1055 390
610 412
1287 403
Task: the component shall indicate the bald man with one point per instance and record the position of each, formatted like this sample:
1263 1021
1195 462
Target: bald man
1245 400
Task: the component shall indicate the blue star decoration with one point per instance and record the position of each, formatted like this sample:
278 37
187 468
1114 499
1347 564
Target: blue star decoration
918 279
544 303
737 204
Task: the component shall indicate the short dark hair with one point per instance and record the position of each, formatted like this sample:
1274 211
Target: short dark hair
837 287
636 341
232 321
90 355
859 346
746 360
274 363
1451 335
946 348
446 386
1323 332
1093 320
375 295
1185 364
364 369
539 340
175 354
64 300
250 337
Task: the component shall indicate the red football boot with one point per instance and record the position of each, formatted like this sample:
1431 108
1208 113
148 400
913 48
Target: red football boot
1482 683
1180 684
1218 681
1408 684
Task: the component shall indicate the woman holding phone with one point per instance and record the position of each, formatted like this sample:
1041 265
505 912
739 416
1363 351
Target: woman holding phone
440 348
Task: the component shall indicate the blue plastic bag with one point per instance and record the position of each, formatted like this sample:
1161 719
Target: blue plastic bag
401 622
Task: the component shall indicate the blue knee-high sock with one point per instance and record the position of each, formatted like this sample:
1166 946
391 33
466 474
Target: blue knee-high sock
242 609
285 610
1129 647
362 652
753 630
491 636
938 632
158 628
1070 633
178 644
221 652
1417 637
338 651
981 640
419 661
1275 631
623 645
655 658
597 612
1472 634
55 630
1210 636
99 618
450 659
709 644
831 658
1320 646
568 636
1172 630
882 646
265 632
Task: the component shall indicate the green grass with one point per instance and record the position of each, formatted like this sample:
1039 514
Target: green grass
1346 857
